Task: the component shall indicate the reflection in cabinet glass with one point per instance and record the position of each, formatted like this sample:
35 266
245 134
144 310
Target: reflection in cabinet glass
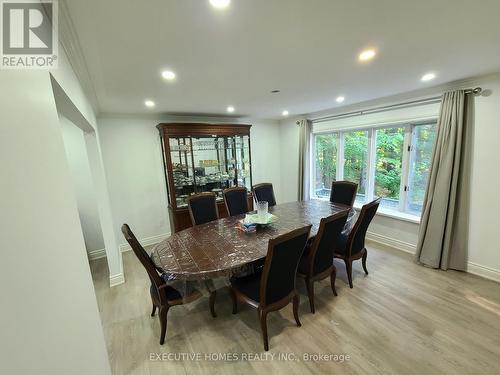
200 158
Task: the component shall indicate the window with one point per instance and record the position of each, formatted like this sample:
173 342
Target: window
325 171
356 160
389 165
390 162
420 163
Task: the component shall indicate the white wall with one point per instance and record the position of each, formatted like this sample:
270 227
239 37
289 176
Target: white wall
484 258
49 317
78 161
132 157
73 104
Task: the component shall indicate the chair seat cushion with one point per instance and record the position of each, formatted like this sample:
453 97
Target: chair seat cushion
248 285
176 289
341 245
172 293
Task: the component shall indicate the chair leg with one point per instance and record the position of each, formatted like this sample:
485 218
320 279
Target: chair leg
154 310
163 323
310 293
296 302
263 327
333 276
211 302
363 260
348 267
235 302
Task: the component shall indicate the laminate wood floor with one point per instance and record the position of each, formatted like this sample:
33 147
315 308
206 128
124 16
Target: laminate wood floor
400 319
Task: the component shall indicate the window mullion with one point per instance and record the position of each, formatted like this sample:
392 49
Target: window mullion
372 157
340 156
403 193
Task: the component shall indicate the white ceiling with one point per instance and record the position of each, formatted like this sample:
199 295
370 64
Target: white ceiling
306 48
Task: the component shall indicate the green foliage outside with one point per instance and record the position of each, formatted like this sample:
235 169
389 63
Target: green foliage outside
388 163
326 162
355 157
390 142
422 145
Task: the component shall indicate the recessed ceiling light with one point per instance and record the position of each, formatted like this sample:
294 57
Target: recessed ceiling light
168 74
340 99
428 77
367 55
284 113
230 109
220 4
149 103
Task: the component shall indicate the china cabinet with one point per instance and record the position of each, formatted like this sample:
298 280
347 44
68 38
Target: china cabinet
203 157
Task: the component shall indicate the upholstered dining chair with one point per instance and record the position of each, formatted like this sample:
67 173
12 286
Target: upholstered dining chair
274 287
236 200
264 192
163 296
352 246
343 192
202 208
317 261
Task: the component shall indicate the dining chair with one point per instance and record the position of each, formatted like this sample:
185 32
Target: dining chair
317 261
203 208
352 246
163 296
236 200
274 287
264 192
343 192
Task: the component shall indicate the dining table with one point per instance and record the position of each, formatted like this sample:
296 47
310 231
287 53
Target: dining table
220 249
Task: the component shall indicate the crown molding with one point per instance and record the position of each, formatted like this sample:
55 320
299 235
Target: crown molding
69 41
165 117
409 95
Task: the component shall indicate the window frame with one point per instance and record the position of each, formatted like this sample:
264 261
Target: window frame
409 126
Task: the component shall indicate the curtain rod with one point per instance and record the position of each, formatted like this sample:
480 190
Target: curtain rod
412 103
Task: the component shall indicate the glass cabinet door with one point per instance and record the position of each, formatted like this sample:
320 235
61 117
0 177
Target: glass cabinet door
212 158
243 167
182 170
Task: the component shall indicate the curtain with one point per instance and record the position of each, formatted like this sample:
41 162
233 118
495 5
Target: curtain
304 142
443 234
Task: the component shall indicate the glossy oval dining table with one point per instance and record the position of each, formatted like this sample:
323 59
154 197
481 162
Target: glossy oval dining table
219 248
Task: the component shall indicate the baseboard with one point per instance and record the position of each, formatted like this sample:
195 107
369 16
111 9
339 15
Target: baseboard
145 241
96 254
391 242
483 271
116 279
119 278
472 268
101 253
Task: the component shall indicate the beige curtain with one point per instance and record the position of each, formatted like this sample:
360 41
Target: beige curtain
304 142
443 234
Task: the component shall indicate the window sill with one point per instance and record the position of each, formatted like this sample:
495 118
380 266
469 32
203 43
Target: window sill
403 216
393 214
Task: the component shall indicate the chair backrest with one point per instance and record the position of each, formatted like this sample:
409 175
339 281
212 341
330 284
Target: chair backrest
264 192
343 192
236 200
322 248
203 208
280 267
356 239
146 261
